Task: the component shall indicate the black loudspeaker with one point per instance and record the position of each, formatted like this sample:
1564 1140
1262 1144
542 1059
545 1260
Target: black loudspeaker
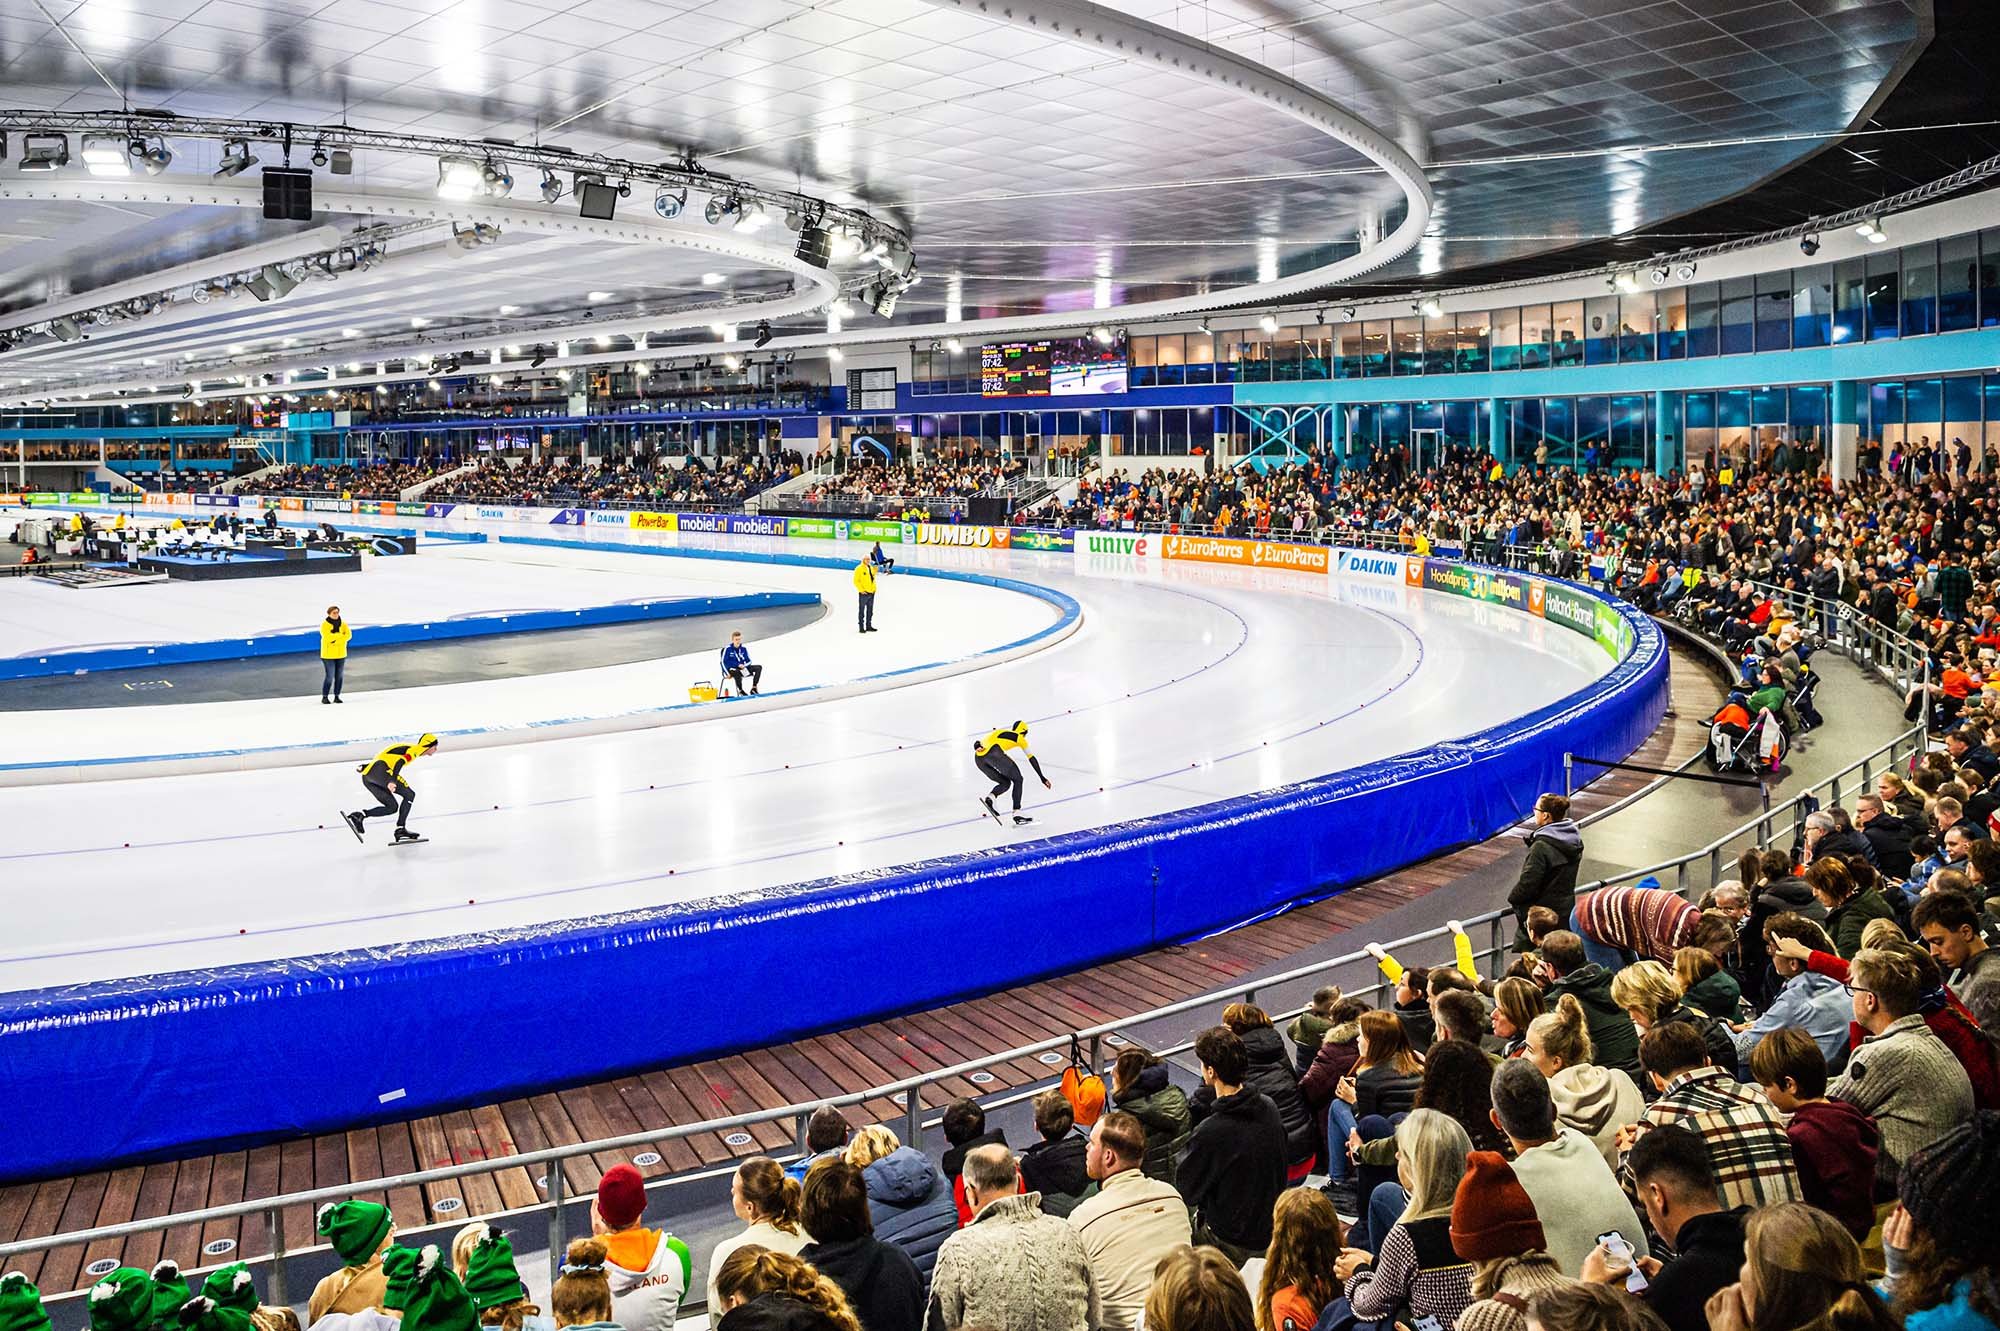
815 245
596 202
988 510
288 194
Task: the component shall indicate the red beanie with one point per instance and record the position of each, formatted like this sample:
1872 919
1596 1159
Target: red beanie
621 1197
1491 1215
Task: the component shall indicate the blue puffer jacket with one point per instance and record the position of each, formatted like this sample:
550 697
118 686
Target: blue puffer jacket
911 1205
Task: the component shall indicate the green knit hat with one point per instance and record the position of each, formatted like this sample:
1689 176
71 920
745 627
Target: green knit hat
122 1301
21 1305
170 1291
490 1276
232 1287
356 1229
399 1268
205 1314
437 1301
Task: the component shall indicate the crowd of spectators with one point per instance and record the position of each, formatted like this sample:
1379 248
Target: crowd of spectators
378 480
634 482
947 471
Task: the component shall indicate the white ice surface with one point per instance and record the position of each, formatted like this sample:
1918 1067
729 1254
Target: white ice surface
921 621
1184 686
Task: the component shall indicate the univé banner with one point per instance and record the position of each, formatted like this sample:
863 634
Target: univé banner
1249 554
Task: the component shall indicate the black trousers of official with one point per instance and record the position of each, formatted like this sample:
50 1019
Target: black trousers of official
867 611
1003 771
756 676
385 800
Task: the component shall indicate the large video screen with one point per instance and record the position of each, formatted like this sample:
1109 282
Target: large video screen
1058 367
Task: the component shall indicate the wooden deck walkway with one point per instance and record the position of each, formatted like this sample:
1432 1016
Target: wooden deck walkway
801 1071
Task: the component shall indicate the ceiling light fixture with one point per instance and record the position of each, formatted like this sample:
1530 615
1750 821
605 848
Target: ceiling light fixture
1659 277
1103 335
711 279
763 332
954 346
1809 245
1871 231
1626 282
1269 323
720 207
668 203
551 186
1430 308
236 159
1684 272
44 152
835 355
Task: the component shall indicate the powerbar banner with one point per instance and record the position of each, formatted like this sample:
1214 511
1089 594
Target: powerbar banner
656 522
1251 554
1476 584
1040 538
936 533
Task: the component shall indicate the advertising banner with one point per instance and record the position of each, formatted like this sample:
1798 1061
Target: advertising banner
209 501
1040 538
327 505
754 524
1116 543
413 510
291 505
655 522
44 497
609 517
1613 634
1376 564
814 529
567 517
10 498
492 514
1476 584
115 497
438 510
701 521
1573 610
92 497
891 532
1253 554
937 533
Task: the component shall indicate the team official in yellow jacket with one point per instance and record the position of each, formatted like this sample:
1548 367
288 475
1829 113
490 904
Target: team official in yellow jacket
383 778
333 635
991 756
864 583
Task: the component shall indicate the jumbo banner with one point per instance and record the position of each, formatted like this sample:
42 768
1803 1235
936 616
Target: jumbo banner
1250 554
1374 564
959 534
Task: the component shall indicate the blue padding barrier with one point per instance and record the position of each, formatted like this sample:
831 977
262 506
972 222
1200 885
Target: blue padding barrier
385 635
213 1060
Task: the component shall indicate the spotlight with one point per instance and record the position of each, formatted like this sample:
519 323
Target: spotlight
540 358
236 159
1103 335
104 155
460 178
472 237
1809 245
44 152
65 330
719 208
153 157
319 155
845 244
1430 309
1347 311
1684 272
763 332
731 364
1269 323
1871 231
551 187
1659 277
881 298
835 355
272 283
954 346
1626 282
751 218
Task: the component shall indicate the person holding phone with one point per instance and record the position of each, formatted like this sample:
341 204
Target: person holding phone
1676 1184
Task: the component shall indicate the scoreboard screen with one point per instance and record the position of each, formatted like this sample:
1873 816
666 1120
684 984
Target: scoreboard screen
1053 367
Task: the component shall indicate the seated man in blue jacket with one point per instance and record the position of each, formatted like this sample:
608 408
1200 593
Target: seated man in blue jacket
736 660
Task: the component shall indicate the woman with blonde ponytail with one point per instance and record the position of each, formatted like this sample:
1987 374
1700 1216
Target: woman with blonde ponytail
762 1290
1594 1100
767 1201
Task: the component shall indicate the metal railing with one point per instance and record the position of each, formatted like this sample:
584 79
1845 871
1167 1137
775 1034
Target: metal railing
1690 874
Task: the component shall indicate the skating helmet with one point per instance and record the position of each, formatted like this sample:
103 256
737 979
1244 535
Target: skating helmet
1021 728
427 742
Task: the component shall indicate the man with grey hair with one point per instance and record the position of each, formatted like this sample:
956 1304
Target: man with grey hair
1562 1171
1013 1268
